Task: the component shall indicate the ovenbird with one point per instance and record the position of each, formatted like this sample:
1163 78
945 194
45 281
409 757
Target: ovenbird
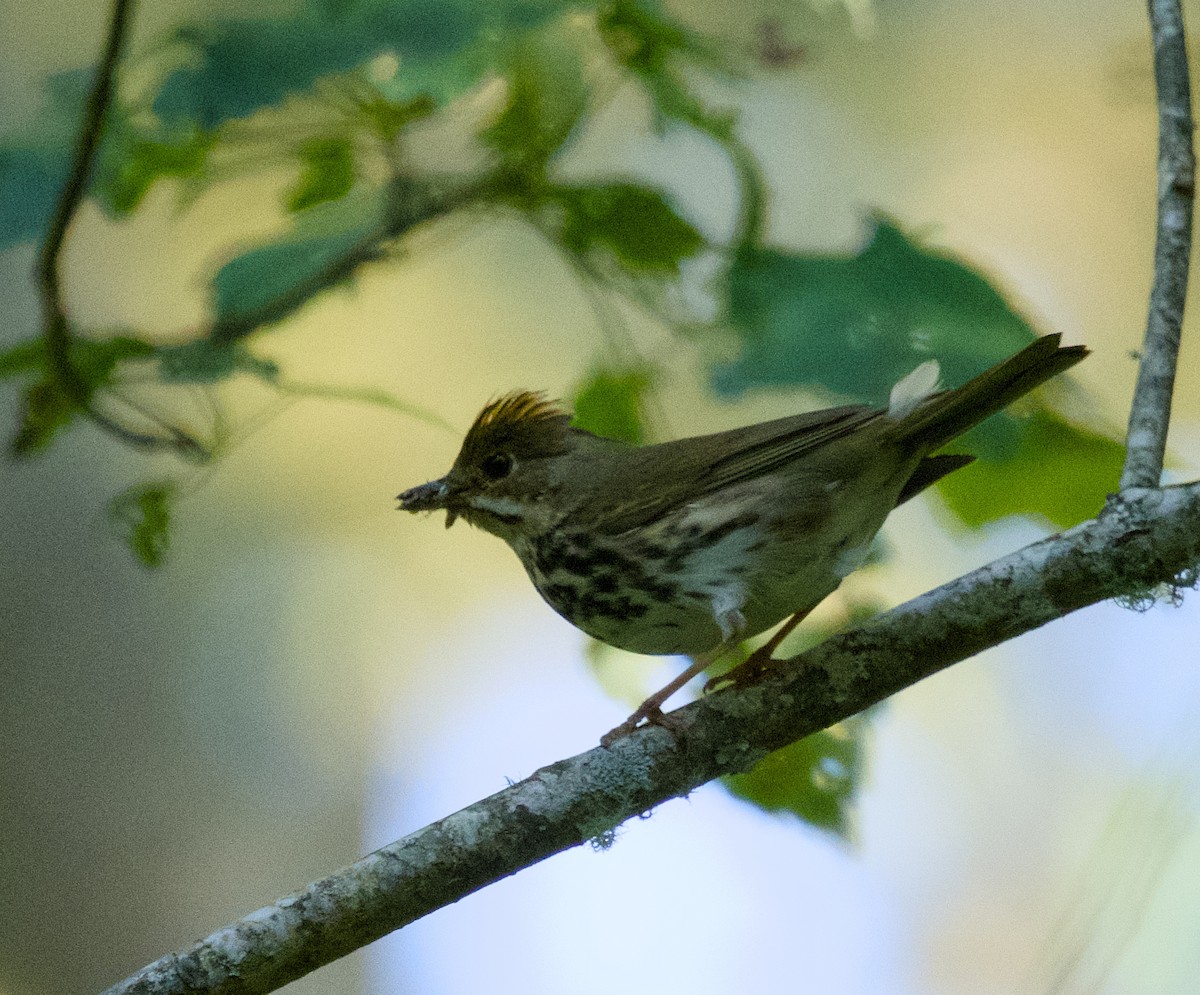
689 547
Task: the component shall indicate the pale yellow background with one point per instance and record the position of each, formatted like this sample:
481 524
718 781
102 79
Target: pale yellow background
182 747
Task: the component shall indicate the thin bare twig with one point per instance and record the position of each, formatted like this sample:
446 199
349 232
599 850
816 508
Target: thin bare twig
95 117
1150 414
1149 538
56 328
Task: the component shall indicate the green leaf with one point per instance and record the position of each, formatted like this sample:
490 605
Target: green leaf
45 411
390 117
206 361
815 779
857 324
239 65
35 159
328 173
95 361
267 283
46 408
644 39
24 357
653 46
30 181
134 161
546 98
1057 471
143 515
611 403
635 223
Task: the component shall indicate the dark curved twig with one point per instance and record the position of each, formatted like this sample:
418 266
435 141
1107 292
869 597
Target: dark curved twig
752 212
1150 414
92 130
56 328
1146 537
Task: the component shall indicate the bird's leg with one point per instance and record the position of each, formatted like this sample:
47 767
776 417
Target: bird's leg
651 708
727 613
761 660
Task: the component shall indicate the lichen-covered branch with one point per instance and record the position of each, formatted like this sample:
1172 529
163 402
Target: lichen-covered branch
1142 540
1150 414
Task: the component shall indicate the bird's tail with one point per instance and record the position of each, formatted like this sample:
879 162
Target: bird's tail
943 416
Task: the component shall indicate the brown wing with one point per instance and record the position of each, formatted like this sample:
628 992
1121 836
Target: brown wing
656 479
670 474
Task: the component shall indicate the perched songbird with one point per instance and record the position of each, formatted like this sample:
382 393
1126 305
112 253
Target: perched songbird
691 546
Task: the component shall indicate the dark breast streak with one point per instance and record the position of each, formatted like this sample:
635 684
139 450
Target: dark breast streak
641 578
584 580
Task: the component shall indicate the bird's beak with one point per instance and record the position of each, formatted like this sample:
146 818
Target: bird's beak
428 497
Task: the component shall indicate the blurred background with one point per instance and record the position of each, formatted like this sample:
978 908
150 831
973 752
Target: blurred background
308 675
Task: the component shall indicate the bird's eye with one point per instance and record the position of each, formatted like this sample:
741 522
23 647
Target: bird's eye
497 466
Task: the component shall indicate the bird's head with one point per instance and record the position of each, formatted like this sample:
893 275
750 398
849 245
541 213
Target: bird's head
504 474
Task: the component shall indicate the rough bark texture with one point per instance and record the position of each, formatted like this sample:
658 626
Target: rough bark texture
1150 414
1142 541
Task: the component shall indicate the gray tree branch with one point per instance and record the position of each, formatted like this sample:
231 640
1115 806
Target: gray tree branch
1144 539
1150 413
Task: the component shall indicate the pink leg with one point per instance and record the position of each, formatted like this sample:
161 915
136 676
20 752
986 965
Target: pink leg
761 660
651 708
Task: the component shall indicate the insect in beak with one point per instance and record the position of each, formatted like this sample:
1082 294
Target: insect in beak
428 497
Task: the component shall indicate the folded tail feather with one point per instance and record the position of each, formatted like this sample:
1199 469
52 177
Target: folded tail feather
945 416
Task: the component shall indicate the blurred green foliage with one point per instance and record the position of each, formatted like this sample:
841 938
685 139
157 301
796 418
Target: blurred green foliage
658 49
328 173
814 779
143 513
611 402
266 283
856 324
547 97
206 362
330 92
133 164
1056 471
634 223
236 66
47 407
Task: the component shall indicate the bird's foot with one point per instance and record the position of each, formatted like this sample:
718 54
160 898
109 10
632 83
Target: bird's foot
750 671
647 715
759 663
